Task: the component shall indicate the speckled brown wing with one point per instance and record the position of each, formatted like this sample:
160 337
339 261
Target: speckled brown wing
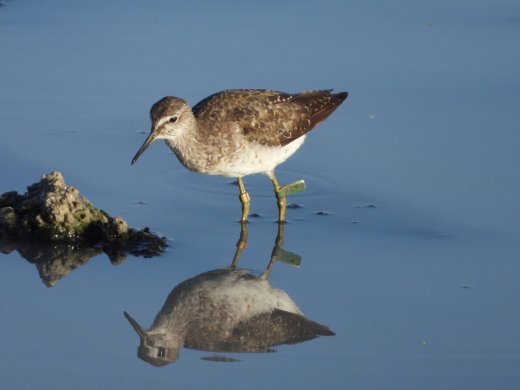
267 117
278 327
261 332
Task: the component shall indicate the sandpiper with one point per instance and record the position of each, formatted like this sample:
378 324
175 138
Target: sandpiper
228 310
224 310
235 133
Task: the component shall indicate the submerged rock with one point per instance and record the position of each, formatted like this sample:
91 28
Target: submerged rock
51 211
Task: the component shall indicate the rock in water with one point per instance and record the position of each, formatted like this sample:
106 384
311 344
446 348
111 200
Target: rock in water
54 212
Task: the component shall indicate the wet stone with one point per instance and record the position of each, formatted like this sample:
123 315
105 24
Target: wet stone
321 212
51 211
367 205
8 217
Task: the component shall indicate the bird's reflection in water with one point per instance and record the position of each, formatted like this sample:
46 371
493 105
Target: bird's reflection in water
227 310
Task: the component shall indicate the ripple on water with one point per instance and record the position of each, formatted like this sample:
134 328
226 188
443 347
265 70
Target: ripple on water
319 185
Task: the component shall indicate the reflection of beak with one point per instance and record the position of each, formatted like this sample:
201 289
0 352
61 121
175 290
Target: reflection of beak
157 355
138 329
148 142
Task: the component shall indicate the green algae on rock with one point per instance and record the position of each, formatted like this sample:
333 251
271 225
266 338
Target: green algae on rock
51 211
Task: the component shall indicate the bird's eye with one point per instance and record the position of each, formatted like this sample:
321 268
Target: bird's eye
173 119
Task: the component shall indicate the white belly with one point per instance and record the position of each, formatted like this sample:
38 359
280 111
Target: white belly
254 158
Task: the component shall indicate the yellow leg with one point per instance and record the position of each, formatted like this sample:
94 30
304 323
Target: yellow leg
279 254
280 197
241 244
278 246
244 199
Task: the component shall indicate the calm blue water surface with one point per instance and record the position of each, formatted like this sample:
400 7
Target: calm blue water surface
421 290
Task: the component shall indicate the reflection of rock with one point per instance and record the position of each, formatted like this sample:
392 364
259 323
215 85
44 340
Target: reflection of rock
56 228
58 267
53 261
51 211
225 310
56 260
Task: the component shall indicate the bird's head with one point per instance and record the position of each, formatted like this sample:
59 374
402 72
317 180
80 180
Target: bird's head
155 348
170 118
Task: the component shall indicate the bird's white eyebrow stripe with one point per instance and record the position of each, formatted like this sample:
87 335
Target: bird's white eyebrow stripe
162 121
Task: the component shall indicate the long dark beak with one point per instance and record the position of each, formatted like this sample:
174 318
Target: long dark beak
138 329
151 138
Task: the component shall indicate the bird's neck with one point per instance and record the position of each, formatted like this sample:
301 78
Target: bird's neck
188 145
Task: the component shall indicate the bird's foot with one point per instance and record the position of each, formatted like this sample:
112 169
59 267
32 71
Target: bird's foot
287 257
283 192
280 254
290 189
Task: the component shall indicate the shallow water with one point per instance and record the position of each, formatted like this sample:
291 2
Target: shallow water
421 290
